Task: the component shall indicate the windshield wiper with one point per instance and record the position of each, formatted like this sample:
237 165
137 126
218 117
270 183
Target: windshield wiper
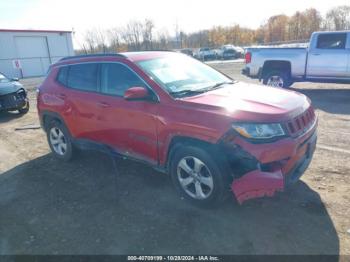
186 92
202 90
220 84
216 86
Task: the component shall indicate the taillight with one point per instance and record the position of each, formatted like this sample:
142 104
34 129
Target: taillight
248 57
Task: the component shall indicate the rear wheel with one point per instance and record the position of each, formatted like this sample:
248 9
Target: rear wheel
277 79
198 177
59 140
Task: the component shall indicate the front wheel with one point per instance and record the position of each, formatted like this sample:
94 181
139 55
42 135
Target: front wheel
198 177
277 79
24 110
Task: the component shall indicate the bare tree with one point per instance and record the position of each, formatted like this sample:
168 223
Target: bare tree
162 39
132 34
101 40
90 40
179 35
115 39
147 34
95 40
338 18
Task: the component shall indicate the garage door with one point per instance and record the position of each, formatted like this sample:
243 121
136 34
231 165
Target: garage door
34 55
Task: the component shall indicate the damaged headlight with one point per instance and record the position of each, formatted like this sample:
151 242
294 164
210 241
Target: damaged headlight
259 131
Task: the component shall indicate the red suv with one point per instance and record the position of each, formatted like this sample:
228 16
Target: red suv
212 134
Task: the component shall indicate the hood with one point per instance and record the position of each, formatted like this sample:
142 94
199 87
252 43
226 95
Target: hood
9 87
249 102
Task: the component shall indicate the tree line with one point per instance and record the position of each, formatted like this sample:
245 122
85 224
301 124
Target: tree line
142 35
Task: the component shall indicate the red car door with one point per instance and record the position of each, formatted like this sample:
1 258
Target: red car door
128 126
78 89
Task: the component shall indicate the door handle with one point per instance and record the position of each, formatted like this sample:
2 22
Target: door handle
62 96
316 54
103 104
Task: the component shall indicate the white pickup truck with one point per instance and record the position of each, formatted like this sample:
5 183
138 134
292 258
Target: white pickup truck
327 57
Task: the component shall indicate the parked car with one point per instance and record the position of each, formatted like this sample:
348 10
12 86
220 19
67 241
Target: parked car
13 95
187 51
326 58
239 51
227 52
207 131
205 54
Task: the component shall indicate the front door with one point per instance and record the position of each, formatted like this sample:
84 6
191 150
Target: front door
128 126
329 56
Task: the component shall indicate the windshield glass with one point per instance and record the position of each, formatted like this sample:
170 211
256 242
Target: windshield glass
178 73
3 79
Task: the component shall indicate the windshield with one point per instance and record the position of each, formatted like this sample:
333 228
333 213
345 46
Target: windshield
178 73
3 79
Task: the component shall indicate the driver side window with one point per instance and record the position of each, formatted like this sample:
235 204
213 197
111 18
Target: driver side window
117 78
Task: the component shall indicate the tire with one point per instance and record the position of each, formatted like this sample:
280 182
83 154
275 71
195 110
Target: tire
57 132
206 174
24 109
277 79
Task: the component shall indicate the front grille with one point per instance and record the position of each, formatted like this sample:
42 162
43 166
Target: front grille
12 100
301 123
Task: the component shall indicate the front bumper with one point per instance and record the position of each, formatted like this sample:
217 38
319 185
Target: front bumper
278 165
13 101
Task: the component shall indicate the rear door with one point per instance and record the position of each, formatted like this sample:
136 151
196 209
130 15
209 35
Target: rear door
127 126
329 56
79 98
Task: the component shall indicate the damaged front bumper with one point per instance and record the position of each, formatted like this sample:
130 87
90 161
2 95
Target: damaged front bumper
270 168
13 101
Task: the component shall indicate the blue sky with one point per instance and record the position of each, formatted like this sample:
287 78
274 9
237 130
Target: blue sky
190 15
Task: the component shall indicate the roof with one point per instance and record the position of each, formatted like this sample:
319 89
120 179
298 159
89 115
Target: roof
132 56
91 55
34 31
332 32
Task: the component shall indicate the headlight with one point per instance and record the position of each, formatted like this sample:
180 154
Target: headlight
259 131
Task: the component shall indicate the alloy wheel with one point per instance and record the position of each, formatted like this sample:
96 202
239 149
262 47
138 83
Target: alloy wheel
195 178
58 141
275 81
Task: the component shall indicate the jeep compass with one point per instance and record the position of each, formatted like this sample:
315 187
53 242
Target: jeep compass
211 134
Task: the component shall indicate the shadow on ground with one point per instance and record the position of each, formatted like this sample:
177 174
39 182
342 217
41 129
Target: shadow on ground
8 116
334 101
50 207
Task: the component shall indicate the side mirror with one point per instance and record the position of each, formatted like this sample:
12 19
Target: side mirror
15 79
136 93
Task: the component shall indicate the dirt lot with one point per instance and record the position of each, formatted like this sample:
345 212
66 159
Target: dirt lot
49 207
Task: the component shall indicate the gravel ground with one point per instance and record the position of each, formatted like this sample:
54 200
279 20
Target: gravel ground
88 207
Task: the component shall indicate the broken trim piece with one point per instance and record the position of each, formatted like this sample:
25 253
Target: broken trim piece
257 184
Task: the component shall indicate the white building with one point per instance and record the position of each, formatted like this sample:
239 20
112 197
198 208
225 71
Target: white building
28 53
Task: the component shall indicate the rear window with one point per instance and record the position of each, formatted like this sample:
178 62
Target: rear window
62 75
82 77
331 41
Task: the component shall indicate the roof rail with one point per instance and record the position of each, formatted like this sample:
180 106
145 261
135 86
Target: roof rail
92 55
